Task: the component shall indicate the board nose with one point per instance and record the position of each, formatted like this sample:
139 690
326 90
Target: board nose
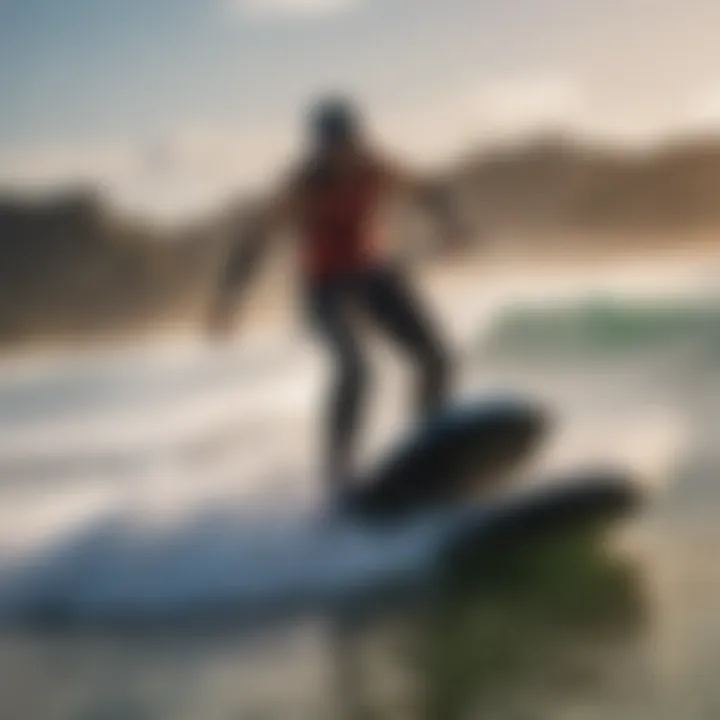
520 427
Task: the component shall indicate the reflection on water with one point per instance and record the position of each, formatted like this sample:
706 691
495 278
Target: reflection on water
534 635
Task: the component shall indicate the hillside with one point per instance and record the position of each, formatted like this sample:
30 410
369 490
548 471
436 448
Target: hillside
554 183
70 267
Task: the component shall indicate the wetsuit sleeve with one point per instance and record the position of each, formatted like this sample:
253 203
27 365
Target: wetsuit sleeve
434 195
250 240
262 224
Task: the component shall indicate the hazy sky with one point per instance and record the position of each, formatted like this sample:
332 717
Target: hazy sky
171 103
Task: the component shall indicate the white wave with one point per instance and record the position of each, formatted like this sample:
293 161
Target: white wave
117 567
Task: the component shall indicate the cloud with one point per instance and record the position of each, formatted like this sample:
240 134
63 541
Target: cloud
273 9
449 122
702 110
186 172
505 109
192 168
196 166
53 163
522 104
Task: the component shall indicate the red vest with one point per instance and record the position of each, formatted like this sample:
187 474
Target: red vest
337 223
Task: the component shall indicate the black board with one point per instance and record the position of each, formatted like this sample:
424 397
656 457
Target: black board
576 501
451 456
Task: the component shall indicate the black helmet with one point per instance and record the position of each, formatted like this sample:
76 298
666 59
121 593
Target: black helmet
334 119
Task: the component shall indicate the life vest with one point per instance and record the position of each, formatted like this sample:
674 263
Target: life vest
337 221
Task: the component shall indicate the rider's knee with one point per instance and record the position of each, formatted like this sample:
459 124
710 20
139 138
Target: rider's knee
355 373
437 364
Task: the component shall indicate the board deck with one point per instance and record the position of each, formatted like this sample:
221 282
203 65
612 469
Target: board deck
455 454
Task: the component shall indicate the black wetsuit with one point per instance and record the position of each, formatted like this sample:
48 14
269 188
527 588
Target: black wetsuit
339 308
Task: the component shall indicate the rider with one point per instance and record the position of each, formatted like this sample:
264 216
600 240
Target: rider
332 201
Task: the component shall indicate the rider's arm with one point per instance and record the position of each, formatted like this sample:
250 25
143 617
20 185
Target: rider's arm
434 195
249 246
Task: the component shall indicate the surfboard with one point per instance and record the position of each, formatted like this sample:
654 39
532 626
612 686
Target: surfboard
215 570
456 453
577 501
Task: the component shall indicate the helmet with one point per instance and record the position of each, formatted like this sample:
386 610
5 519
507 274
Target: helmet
334 119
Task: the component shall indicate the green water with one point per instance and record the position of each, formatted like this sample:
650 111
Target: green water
602 327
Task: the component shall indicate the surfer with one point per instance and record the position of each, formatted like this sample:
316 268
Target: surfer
332 201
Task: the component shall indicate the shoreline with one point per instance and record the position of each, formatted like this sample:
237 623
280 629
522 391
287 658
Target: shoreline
270 305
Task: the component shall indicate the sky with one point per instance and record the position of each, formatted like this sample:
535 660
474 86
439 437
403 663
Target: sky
172 105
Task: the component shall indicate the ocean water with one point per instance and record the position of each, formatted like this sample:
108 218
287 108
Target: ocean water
158 481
